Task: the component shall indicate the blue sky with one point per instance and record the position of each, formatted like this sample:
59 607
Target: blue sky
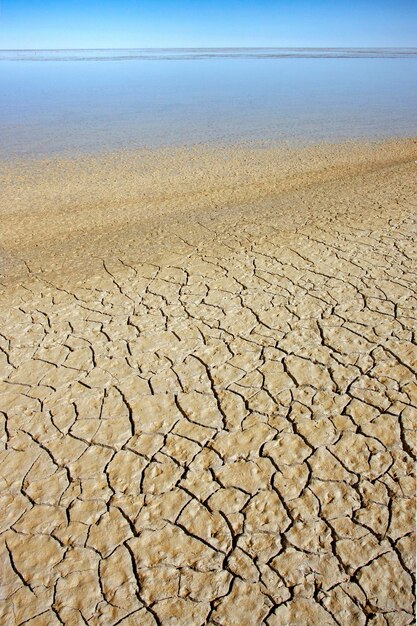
200 23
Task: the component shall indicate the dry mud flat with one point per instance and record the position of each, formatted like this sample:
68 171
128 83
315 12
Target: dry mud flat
208 413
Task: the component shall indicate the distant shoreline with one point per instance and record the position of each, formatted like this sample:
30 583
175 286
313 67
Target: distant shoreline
165 54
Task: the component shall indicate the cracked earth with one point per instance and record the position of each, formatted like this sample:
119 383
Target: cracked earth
218 429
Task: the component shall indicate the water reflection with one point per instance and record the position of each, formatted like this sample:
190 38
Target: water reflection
54 107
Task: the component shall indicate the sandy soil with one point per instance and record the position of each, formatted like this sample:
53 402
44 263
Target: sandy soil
208 394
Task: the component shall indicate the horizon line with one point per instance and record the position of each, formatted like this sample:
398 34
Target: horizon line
414 47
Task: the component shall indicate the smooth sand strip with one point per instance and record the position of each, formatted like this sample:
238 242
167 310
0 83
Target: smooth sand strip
68 212
208 399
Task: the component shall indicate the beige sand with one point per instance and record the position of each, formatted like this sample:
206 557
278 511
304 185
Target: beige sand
208 401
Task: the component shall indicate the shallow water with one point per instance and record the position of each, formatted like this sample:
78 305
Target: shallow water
83 101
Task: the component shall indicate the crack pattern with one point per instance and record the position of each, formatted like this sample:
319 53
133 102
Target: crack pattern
226 437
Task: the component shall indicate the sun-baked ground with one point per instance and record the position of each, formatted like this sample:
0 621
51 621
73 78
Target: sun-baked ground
208 414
